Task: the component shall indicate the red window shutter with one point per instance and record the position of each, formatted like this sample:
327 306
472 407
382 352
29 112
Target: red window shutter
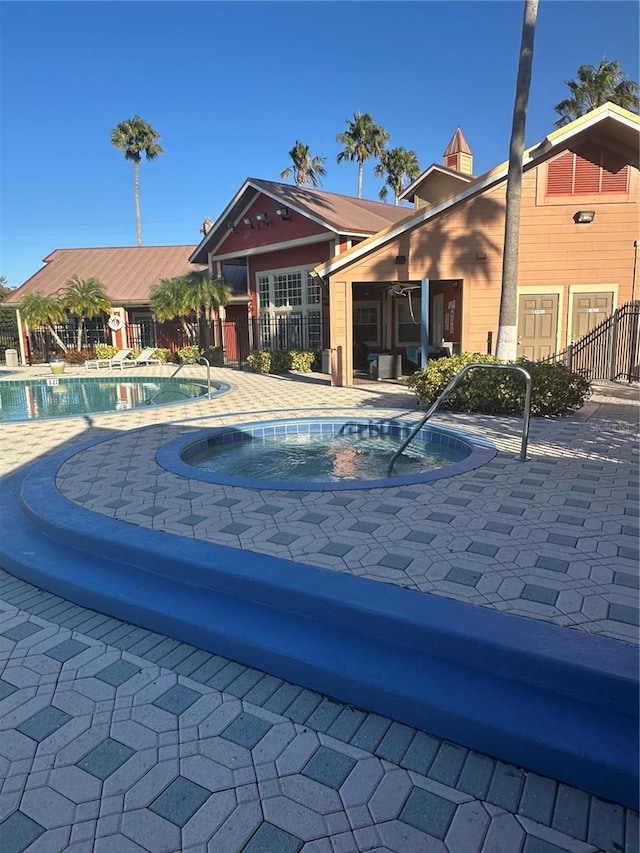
560 175
587 177
615 173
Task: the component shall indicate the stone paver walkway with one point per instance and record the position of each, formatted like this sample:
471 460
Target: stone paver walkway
114 738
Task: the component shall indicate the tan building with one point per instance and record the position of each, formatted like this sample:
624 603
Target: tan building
434 278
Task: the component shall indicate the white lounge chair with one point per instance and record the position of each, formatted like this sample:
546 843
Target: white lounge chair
108 362
145 357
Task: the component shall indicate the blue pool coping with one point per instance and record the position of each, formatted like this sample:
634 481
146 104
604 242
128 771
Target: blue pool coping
174 456
55 380
560 702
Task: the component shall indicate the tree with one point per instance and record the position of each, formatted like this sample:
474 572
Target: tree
506 345
307 170
362 139
395 165
596 86
39 309
187 298
85 299
135 137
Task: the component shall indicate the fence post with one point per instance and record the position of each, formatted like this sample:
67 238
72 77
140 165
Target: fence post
489 342
613 344
570 356
634 344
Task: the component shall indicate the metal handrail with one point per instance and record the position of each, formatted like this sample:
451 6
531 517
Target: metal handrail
164 385
453 384
204 360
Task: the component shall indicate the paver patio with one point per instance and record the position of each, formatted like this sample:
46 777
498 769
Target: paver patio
115 738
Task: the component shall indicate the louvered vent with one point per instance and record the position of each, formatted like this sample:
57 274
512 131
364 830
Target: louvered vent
591 172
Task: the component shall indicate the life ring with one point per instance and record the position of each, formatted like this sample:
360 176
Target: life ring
115 323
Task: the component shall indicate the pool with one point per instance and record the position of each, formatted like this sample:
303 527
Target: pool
55 397
322 454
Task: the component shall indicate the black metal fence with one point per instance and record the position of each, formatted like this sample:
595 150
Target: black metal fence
609 351
235 338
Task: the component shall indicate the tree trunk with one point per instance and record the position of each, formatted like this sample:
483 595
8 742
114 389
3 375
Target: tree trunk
136 195
506 346
57 339
360 165
80 328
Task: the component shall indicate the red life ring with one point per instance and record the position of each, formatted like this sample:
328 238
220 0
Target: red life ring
115 323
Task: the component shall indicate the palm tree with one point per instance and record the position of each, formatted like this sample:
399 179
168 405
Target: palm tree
362 139
396 164
187 298
307 170
506 345
85 299
135 137
596 86
39 309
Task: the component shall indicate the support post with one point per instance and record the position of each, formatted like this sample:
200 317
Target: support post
424 325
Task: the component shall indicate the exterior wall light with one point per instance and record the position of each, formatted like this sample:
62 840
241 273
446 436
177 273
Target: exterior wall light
283 212
584 216
263 219
248 221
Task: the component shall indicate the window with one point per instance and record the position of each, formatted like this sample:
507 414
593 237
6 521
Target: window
408 320
592 171
366 323
289 315
263 291
287 289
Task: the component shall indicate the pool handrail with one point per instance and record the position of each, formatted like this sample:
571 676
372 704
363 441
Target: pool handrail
449 388
202 360
164 384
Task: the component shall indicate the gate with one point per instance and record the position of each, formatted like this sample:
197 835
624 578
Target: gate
609 351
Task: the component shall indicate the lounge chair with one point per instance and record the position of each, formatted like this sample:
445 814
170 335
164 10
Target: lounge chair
108 362
145 357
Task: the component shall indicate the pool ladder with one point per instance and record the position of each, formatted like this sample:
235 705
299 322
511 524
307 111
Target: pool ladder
453 384
201 360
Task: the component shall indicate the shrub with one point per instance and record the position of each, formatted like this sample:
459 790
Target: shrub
162 355
302 360
259 361
72 356
105 351
555 390
280 361
214 356
188 355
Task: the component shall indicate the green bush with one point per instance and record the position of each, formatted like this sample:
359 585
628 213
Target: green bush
259 361
163 355
280 361
302 360
105 351
72 356
188 355
214 356
555 390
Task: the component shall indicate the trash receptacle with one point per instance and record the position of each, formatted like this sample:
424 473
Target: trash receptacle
11 357
326 361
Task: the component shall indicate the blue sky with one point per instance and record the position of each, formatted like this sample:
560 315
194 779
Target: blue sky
230 86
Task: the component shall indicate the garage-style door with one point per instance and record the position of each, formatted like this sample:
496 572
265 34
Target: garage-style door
537 325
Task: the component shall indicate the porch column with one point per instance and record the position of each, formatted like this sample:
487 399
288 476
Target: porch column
340 332
21 337
424 325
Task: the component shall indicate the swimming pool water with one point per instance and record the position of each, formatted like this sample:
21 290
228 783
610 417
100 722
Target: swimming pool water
53 397
314 456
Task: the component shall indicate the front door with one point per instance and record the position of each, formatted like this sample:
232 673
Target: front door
589 309
537 325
